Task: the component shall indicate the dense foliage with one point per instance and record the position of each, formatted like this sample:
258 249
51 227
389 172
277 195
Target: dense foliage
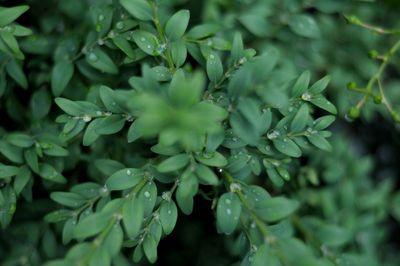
182 132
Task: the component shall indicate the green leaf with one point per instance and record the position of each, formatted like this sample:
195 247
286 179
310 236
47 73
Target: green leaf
8 171
256 194
177 25
188 185
100 257
68 199
108 167
31 159
323 103
185 202
173 163
214 68
162 73
178 52
110 125
14 69
147 42
301 84
113 241
21 179
20 140
150 248
168 216
60 76
304 25
215 159
48 172
319 141
320 85
148 197
237 51
186 92
203 31
132 216
264 254
57 216
123 44
137 254
92 225
21 31
11 152
206 175
134 132
140 9
300 120
8 15
333 235
287 146
90 135
229 209
68 106
275 209
98 59
123 179
11 45
323 122
68 230
110 100
255 24
52 149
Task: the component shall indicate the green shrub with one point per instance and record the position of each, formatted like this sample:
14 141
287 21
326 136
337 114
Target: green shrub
121 118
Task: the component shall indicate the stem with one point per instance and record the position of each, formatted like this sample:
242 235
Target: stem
374 79
313 240
100 238
384 99
227 74
259 223
151 221
356 21
161 35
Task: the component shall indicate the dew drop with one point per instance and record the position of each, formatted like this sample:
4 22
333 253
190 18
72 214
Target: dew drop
306 96
101 17
93 57
162 47
273 135
9 28
147 194
128 172
143 39
242 60
86 118
120 25
228 201
208 155
228 211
